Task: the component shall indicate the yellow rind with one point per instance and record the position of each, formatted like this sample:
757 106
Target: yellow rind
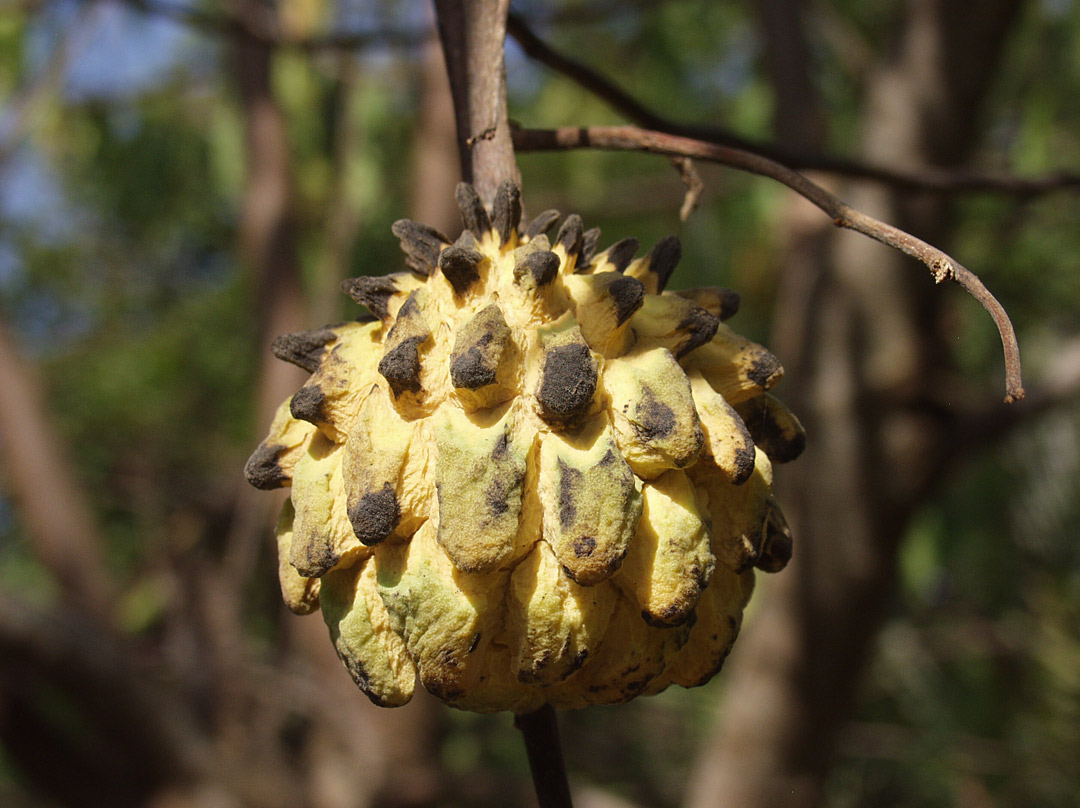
446 617
726 437
656 424
480 472
553 622
670 560
577 543
359 624
300 594
322 535
591 503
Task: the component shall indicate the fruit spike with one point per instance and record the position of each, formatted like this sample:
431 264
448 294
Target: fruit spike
473 215
541 224
589 239
461 267
374 293
535 477
307 404
568 376
420 243
270 466
304 348
618 255
569 237
724 303
602 304
654 269
542 266
774 427
663 259
478 349
506 211
400 365
674 323
727 439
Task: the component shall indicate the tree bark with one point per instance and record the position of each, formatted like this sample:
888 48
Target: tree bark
858 334
473 36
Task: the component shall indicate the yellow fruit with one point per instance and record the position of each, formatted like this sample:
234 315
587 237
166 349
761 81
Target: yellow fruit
531 477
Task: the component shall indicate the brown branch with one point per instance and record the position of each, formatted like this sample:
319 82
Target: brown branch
942 266
923 179
473 37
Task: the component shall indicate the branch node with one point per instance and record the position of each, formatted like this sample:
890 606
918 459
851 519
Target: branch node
942 270
487 134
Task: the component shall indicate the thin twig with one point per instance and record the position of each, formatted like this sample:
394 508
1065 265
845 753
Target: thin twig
541 732
923 179
943 267
695 186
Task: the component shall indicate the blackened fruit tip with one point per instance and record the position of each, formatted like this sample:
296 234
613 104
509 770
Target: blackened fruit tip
473 215
461 267
664 258
304 348
627 294
570 234
542 266
506 211
542 224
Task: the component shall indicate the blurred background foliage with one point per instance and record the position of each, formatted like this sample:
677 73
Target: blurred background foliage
122 177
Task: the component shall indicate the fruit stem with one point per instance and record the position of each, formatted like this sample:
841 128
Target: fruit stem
541 731
473 38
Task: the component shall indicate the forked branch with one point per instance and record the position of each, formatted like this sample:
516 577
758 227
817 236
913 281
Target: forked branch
942 266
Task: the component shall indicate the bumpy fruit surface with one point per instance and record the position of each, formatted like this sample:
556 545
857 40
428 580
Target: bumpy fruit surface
532 475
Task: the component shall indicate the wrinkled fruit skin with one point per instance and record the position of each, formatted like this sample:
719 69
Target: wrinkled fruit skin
532 475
